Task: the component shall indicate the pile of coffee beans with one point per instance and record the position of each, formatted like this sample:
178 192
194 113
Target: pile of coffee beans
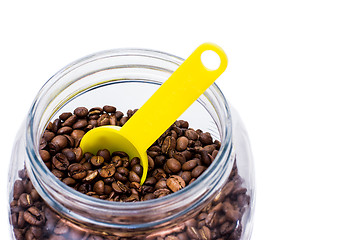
32 219
175 160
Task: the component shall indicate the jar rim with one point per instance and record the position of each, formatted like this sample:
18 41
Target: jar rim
40 171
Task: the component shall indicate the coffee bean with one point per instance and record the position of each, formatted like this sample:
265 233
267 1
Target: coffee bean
69 153
197 171
173 165
69 181
91 175
25 200
80 124
60 162
182 144
162 183
58 143
191 134
133 177
109 109
168 145
81 112
138 169
119 187
209 148
105 154
78 154
187 176
64 130
205 138
99 187
57 173
70 121
161 192
189 165
97 161
123 120
65 115
56 125
45 155
77 171
175 183
48 136
193 233
107 171
205 157
34 216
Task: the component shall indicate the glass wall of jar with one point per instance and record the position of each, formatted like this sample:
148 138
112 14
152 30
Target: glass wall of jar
217 205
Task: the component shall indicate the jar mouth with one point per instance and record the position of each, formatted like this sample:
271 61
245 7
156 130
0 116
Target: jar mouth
57 194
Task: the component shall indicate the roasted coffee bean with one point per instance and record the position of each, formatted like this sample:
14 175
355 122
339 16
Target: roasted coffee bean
60 162
99 187
107 171
77 171
189 165
64 130
81 112
69 181
56 125
150 181
65 115
97 161
69 153
191 134
159 160
168 145
105 154
161 192
197 171
134 161
91 175
34 216
162 183
182 143
150 163
57 173
77 135
205 157
193 233
45 155
133 177
187 176
58 143
138 169
209 148
175 183
119 187
70 121
48 136
206 138
78 154
80 124
25 200
173 165
109 109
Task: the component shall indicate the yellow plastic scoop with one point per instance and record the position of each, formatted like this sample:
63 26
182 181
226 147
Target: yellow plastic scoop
161 110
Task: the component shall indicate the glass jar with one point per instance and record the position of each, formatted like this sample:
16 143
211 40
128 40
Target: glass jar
218 205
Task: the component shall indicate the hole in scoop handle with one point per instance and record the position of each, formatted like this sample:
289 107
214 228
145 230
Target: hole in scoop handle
173 97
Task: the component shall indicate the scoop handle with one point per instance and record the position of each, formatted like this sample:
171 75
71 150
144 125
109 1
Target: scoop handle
173 98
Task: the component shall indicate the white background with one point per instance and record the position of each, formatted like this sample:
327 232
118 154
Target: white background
294 75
